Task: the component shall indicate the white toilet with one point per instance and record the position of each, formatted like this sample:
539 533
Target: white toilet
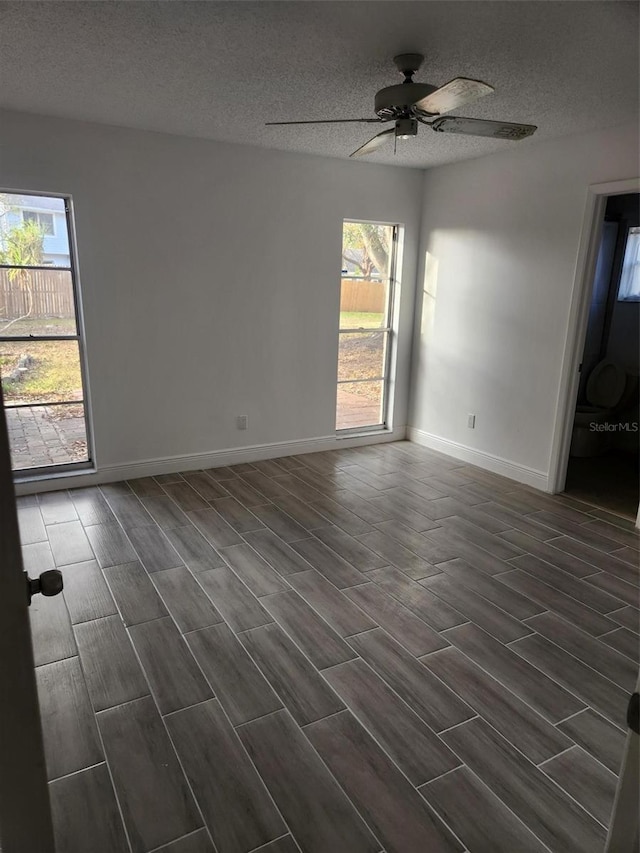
604 390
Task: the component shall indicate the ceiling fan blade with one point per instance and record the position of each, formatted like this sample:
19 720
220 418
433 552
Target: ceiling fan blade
332 121
375 143
482 127
455 93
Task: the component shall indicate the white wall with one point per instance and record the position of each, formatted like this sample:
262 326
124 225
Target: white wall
210 275
498 254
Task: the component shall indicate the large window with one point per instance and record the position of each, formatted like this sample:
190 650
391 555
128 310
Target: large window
365 336
41 347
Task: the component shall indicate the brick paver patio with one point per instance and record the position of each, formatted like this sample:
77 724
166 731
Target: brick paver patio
39 436
356 410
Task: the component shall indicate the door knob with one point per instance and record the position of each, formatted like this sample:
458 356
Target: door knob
49 583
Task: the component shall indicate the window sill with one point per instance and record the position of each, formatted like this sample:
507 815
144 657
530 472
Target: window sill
80 470
362 432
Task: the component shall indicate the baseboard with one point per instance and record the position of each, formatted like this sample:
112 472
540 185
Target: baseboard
199 461
496 464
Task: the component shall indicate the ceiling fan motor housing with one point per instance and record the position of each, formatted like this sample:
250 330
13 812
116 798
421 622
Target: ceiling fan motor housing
398 101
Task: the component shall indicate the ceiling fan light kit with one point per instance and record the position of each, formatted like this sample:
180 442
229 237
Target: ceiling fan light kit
409 103
406 128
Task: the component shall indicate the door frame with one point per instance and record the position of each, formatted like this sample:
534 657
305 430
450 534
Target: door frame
25 811
588 249
624 825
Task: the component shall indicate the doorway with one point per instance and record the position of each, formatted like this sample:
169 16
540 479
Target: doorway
604 450
581 299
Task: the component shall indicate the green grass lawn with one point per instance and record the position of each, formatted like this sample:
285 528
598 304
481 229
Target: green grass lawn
360 320
40 326
54 374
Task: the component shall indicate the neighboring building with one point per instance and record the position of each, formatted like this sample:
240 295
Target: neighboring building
48 212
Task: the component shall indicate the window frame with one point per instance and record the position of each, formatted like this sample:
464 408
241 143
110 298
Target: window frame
388 330
45 472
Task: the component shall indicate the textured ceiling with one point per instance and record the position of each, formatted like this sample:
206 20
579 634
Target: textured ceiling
219 70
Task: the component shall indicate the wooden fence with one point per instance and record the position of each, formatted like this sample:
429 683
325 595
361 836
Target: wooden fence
52 295
362 296
48 291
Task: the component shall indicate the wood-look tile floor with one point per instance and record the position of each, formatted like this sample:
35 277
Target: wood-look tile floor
372 649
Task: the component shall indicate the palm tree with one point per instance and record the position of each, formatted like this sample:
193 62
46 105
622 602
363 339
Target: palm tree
23 248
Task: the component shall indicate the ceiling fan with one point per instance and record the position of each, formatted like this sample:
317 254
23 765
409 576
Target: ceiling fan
409 103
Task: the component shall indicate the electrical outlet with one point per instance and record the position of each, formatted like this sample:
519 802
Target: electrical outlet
471 421
242 422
